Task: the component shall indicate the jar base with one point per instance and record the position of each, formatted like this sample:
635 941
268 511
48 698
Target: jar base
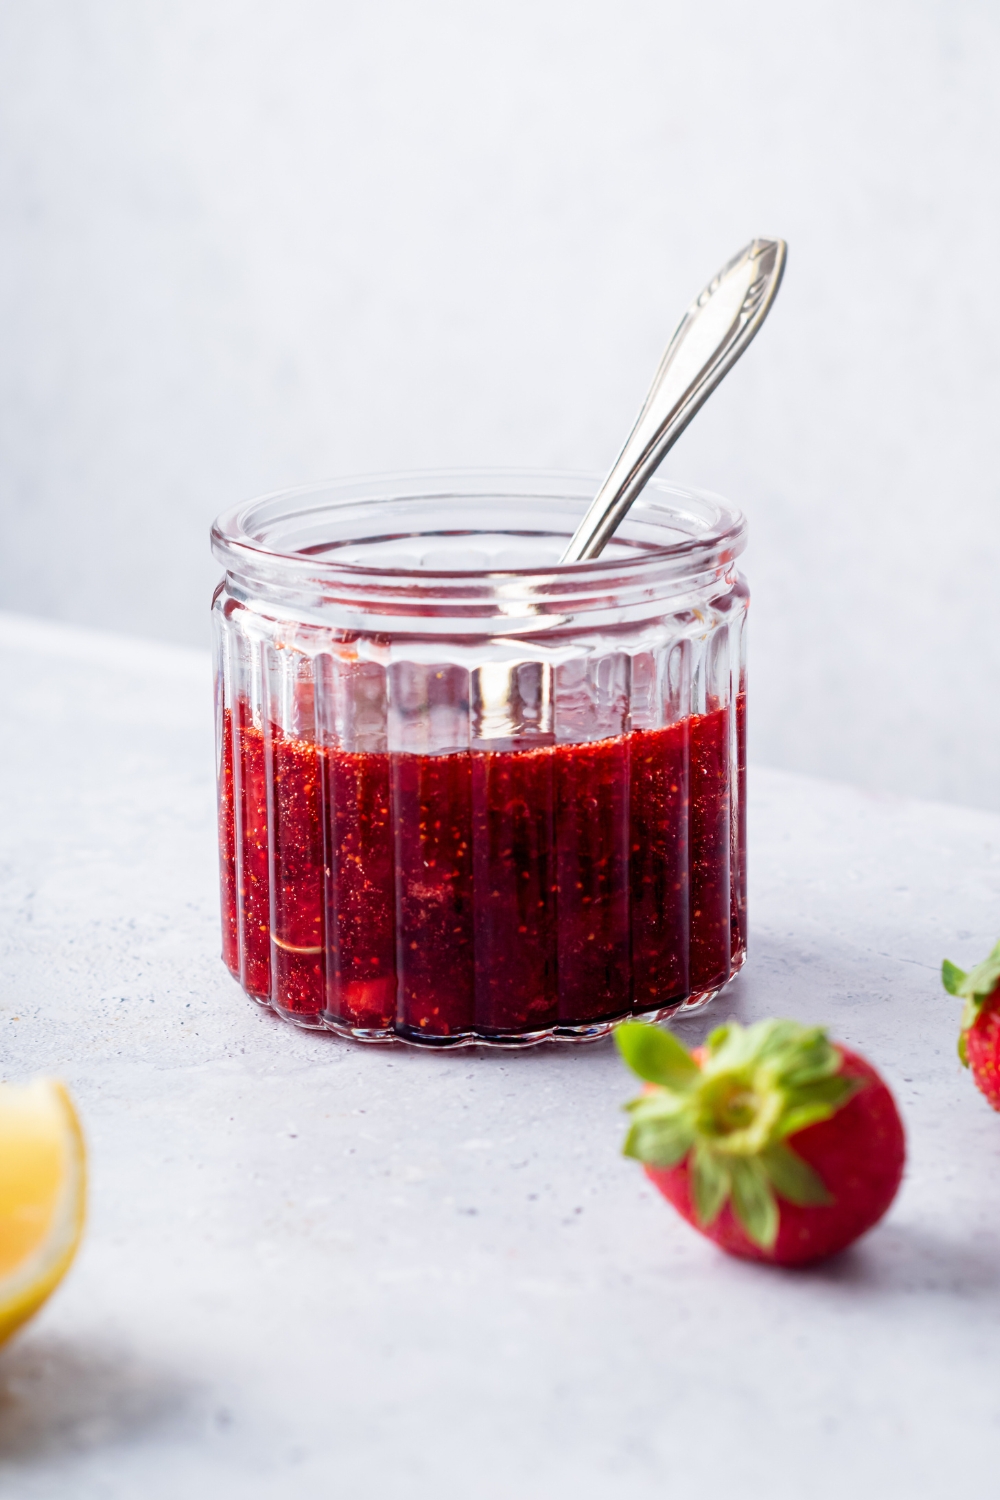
510 1041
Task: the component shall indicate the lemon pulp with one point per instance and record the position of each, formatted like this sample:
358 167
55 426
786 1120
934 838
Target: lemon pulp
43 1186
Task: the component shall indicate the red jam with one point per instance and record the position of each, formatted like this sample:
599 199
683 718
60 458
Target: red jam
502 893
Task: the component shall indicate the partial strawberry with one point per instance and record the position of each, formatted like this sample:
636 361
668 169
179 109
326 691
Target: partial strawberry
979 1037
770 1140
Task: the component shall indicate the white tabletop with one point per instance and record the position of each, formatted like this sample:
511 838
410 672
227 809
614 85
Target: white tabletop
320 1269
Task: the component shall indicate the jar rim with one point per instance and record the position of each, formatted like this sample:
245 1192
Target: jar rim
236 532
296 551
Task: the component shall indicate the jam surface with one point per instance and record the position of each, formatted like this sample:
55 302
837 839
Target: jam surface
493 893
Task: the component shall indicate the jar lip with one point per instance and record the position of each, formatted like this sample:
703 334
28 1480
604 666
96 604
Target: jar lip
238 539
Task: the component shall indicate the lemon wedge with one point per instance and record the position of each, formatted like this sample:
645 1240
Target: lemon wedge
43 1194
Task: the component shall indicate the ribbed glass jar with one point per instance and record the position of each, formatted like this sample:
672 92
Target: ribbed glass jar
467 795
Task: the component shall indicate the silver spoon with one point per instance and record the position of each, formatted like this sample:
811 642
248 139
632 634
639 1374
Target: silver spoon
712 335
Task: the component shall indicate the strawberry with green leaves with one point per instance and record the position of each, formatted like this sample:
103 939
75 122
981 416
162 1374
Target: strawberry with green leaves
979 1037
770 1140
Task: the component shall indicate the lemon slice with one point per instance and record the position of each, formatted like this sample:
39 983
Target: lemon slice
43 1193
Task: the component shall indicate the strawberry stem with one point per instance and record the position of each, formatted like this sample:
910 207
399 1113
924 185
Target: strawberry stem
730 1115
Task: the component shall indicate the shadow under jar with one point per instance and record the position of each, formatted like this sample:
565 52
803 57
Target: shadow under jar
467 795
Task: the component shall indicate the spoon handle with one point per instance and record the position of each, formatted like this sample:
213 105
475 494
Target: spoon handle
712 335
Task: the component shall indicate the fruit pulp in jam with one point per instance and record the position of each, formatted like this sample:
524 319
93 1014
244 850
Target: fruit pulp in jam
490 892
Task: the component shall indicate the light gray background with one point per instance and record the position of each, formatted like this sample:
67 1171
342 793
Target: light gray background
252 244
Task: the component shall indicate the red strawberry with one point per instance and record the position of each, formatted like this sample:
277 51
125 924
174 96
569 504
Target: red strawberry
979 1038
771 1141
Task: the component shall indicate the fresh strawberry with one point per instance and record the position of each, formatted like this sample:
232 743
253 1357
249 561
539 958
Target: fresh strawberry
979 1037
770 1140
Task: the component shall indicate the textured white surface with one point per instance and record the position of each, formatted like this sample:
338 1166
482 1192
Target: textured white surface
316 1270
246 245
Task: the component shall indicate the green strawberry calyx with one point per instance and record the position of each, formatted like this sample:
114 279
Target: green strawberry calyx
730 1114
975 988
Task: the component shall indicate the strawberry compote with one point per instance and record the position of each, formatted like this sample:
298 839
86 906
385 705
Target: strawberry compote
503 894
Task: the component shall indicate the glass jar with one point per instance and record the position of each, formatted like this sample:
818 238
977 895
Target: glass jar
468 795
